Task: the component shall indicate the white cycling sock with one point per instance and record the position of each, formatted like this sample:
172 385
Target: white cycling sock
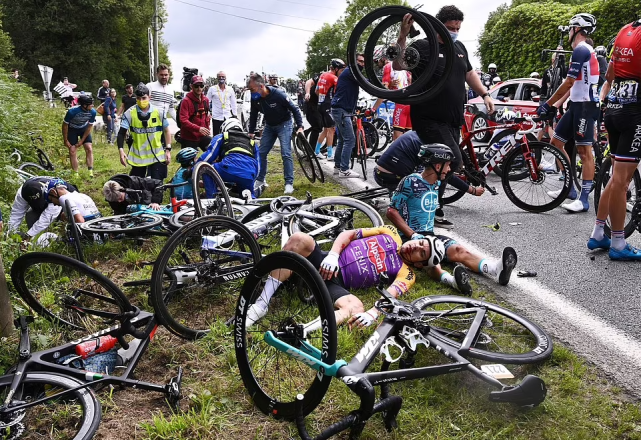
271 285
448 278
618 240
490 267
597 232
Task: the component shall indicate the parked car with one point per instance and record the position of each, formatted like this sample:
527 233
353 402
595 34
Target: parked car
515 94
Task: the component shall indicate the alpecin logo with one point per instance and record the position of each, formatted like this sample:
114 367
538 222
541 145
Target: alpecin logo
376 255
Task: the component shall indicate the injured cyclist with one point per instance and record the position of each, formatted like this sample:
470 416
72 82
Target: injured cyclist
358 259
412 211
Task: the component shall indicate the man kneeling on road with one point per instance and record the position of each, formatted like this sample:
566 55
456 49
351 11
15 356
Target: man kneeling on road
359 259
412 210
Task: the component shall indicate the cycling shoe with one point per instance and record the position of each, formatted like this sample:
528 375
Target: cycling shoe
604 243
628 253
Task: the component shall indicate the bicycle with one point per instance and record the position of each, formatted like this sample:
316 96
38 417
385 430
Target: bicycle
33 168
52 391
287 371
383 125
306 158
359 153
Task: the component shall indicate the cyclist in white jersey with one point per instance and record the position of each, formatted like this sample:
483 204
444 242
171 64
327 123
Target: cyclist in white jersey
578 121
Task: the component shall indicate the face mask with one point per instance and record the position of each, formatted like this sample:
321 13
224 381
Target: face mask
142 104
454 35
221 81
360 67
255 95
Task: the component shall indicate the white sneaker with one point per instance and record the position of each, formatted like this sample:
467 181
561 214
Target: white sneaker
336 171
330 158
259 183
254 313
348 174
289 188
320 155
576 206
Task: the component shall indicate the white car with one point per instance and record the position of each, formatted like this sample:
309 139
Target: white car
245 111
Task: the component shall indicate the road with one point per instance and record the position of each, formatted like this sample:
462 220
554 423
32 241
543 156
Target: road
573 297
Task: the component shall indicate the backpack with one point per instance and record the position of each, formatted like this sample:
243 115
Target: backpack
178 123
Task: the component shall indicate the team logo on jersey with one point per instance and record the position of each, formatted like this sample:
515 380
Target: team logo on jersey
429 203
376 254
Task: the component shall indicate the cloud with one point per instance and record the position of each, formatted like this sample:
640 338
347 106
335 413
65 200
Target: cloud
211 41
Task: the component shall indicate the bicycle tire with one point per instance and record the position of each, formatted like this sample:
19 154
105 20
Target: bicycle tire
43 159
498 137
72 227
382 126
362 154
371 135
455 194
32 168
268 396
135 223
35 386
190 309
452 330
221 203
316 166
60 299
304 158
514 161
631 197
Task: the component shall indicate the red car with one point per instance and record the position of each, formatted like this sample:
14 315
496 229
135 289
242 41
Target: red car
515 94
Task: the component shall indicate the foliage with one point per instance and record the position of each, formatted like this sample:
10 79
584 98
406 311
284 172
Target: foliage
7 59
514 37
86 40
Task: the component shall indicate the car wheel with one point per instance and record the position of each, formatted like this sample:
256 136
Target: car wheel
478 123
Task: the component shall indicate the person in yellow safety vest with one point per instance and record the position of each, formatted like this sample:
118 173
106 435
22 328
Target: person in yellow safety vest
146 124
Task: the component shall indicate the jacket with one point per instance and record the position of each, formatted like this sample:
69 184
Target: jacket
190 120
277 108
149 188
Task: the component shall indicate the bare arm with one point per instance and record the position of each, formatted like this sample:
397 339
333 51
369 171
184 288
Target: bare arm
406 25
562 90
473 80
343 239
607 85
561 101
396 219
308 88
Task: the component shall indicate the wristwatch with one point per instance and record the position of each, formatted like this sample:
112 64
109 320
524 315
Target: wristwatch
168 147
484 95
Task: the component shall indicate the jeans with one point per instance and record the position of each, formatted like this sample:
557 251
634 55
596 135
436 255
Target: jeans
346 138
110 126
283 132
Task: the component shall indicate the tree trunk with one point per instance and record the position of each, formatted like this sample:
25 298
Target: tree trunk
6 312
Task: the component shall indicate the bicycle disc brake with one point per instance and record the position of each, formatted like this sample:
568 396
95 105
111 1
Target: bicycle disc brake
14 425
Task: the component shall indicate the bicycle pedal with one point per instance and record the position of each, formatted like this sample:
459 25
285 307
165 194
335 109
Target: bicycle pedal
492 190
173 389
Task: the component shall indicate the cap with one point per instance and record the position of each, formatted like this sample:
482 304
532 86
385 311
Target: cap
197 79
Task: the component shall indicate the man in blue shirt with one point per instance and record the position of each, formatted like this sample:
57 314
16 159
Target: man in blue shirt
344 103
278 109
76 131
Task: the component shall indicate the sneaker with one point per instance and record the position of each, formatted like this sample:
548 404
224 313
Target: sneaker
554 194
330 158
576 206
90 173
462 279
336 171
509 263
289 188
604 243
443 223
628 253
348 174
254 313
320 156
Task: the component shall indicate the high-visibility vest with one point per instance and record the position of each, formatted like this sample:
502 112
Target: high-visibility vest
234 142
146 148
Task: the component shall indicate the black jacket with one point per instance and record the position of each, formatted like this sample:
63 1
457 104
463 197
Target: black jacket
149 187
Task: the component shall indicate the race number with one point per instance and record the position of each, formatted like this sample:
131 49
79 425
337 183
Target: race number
625 92
497 371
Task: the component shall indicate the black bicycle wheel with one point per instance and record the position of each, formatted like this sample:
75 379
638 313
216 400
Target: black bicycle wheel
43 159
209 259
304 156
633 195
32 168
272 378
206 179
318 170
122 224
384 135
67 292
74 233
467 174
499 140
73 416
371 136
547 191
362 155
504 336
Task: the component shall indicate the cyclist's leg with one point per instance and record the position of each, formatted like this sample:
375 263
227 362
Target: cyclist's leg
285 139
598 239
88 145
563 132
266 144
242 183
584 137
73 136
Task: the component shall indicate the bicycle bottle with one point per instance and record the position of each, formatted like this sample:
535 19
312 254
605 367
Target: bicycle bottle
95 346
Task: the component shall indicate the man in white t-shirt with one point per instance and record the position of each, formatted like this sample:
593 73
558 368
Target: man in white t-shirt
223 102
160 94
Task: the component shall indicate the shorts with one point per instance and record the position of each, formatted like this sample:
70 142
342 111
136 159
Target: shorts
75 134
578 123
335 286
624 130
401 119
386 180
447 242
326 118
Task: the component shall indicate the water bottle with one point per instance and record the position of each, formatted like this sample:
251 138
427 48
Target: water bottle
95 346
135 208
492 149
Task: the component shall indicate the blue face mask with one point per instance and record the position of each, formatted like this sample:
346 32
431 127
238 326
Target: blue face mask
454 35
255 95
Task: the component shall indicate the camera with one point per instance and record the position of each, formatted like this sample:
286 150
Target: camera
188 74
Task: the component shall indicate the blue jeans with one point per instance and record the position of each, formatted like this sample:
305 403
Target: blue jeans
283 132
346 139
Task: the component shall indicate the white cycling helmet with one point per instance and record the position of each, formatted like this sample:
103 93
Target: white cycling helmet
496 80
437 251
585 21
231 124
273 75
535 75
491 66
379 52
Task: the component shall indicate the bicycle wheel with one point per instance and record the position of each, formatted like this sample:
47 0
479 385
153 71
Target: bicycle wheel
67 292
43 159
32 168
371 136
206 179
632 196
362 154
266 226
384 135
597 152
209 259
503 337
350 213
467 174
272 378
304 157
316 166
544 193
73 416
74 233
122 224
499 140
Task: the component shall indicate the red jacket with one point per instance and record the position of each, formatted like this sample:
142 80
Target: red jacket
190 120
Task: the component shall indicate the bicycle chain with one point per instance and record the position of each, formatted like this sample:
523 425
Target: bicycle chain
17 428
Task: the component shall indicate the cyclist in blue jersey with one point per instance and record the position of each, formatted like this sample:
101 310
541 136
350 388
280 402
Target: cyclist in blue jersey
578 121
76 131
186 158
234 155
412 210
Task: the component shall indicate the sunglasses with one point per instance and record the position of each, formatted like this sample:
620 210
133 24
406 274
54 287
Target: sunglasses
198 86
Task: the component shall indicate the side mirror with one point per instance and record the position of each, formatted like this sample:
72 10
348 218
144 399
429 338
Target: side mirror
536 98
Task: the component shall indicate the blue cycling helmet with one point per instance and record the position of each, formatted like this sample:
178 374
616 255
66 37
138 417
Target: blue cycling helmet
186 156
54 183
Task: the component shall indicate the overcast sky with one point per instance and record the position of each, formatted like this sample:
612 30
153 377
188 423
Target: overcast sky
206 37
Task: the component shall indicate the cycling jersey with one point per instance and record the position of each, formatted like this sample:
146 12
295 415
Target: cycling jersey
389 75
185 191
416 201
325 89
78 118
401 157
374 252
80 204
584 68
626 60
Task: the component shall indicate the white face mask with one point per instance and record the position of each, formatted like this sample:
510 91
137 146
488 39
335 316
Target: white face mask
454 35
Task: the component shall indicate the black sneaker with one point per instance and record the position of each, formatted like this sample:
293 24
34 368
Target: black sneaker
509 262
443 223
462 279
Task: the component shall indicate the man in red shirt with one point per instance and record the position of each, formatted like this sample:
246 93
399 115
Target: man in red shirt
325 91
194 117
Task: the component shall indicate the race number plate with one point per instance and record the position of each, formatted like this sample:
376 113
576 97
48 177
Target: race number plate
497 371
625 92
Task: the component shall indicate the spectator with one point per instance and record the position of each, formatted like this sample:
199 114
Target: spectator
162 96
128 100
145 191
109 116
103 91
76 131
278 109
67 95
222 101
273 79
194 117
15 74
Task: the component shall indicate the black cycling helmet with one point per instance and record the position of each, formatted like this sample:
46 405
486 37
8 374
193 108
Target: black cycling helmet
432 154
85 99
337 63
186 156
141 90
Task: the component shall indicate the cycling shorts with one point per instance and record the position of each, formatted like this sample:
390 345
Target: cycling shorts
624 130
578 123
401 119
75 134
326 118
335 286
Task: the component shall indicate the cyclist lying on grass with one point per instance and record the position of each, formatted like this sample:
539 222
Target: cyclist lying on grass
412 211
359 259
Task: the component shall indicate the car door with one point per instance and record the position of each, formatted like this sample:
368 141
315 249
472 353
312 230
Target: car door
246 106
524 103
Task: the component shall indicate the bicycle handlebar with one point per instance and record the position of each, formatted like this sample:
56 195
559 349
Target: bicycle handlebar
531 120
